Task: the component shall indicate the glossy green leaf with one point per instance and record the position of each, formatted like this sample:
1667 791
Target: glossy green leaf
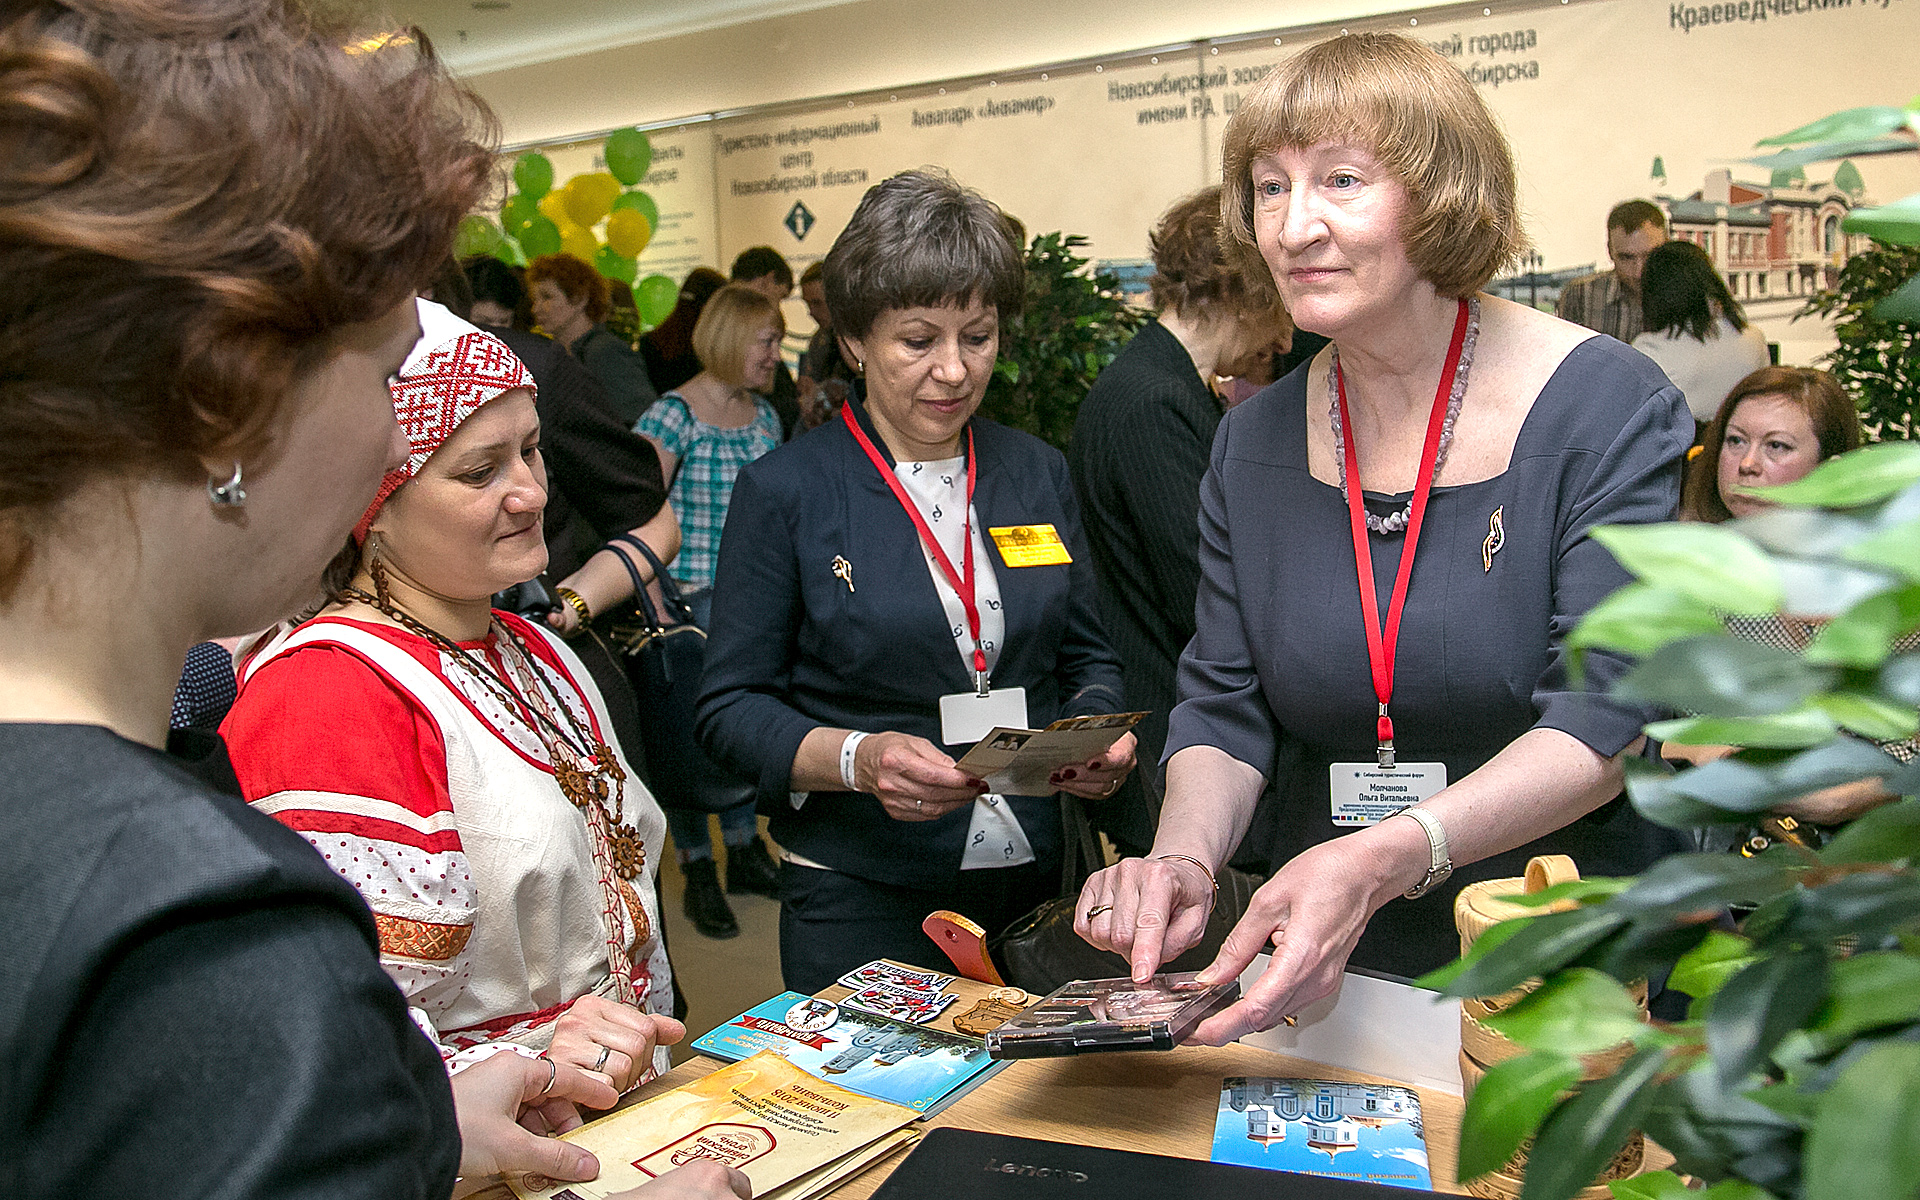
1889 833
1640 618
1703 970
1544 945
1574 1012
1866 1140
1857 477
1788 1099
1865 122
1716 675
1759 1005
1440 979
1653 1185
1898 222
1597 888
1903 306
1868 715
1787 160
1508 1105
1864 634
1707 563
1900 679
1714 1131
1575 1144
1868 991
1796 730
1866 904
1683 883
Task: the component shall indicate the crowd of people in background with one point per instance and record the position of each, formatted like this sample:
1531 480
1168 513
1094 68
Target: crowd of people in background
420 500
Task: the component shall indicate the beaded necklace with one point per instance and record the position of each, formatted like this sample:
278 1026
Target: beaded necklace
1396 522
585 767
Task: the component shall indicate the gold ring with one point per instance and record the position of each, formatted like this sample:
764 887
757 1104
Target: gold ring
1097 909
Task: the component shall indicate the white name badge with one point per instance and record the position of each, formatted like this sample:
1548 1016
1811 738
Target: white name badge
1365 793
966 717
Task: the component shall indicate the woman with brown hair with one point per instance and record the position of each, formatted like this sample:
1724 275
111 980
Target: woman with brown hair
198 337
1138 451
570 304
1478 438
1775 426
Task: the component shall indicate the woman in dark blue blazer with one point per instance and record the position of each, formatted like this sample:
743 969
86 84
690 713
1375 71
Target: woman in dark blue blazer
862 603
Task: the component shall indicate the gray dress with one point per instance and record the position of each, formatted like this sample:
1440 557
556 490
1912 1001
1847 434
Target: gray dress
1278 676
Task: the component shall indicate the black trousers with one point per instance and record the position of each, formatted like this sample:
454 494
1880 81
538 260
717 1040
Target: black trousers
831 923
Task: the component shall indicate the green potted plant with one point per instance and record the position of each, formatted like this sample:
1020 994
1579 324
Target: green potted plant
1075 321
1875 304
1796 1072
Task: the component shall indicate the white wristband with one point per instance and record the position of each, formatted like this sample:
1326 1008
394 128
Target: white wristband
1440 864
846 758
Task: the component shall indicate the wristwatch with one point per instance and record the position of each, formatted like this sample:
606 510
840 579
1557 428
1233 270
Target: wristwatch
1442 864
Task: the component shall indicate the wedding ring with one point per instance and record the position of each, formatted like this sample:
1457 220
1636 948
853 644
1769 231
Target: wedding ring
600 1064
1097 909
553 1074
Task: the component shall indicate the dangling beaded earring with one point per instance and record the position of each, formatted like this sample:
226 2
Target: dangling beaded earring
229 494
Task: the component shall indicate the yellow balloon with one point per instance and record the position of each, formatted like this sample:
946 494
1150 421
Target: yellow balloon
628 232
553 206
579 242
590 197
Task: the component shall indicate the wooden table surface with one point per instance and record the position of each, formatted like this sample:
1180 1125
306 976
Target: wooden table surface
1159 1102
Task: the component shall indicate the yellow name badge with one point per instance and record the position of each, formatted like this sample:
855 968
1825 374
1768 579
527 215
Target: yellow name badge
1030 545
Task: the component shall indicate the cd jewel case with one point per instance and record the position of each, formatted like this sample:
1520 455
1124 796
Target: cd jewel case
1091 1015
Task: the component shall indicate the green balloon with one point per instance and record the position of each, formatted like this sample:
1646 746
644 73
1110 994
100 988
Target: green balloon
540 236
476 236
654 298
533 174
629 154
519 209
510 253
643 204
615 266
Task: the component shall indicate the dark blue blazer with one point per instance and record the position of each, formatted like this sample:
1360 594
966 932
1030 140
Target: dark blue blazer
792 648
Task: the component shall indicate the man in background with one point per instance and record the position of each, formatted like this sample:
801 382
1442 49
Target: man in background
765 271
1609 302
825 376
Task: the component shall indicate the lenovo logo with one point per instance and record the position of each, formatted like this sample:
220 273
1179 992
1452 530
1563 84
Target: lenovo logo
997 1167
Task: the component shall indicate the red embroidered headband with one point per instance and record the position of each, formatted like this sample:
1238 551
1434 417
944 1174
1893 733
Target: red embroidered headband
454 369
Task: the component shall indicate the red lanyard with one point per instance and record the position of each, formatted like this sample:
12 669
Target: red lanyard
962 580
1381 647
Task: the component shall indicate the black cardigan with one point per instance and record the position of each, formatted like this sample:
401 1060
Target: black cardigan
793 648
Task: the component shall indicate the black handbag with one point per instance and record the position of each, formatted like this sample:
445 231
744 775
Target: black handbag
665 654
1040 952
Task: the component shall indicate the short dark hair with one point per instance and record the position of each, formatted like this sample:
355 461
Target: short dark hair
576 279
149 319
1681 293
816 271
1629 215
920 240
756 261
1836 423
1193 270
495 281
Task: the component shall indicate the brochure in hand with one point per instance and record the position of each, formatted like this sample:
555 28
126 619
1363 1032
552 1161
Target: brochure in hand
1021 762
863 1052
1323 1127
765 1117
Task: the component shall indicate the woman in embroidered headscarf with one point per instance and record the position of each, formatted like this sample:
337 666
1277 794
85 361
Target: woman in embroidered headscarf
456 763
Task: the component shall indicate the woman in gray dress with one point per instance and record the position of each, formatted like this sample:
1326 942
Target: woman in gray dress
1426 713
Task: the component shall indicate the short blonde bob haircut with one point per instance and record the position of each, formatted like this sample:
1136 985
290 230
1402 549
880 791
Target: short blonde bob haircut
728 324
1425 123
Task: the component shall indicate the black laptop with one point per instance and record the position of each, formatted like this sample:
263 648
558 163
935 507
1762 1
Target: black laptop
967 1164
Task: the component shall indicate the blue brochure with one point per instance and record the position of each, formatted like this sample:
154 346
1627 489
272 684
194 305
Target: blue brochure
921 1068
1321 1127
